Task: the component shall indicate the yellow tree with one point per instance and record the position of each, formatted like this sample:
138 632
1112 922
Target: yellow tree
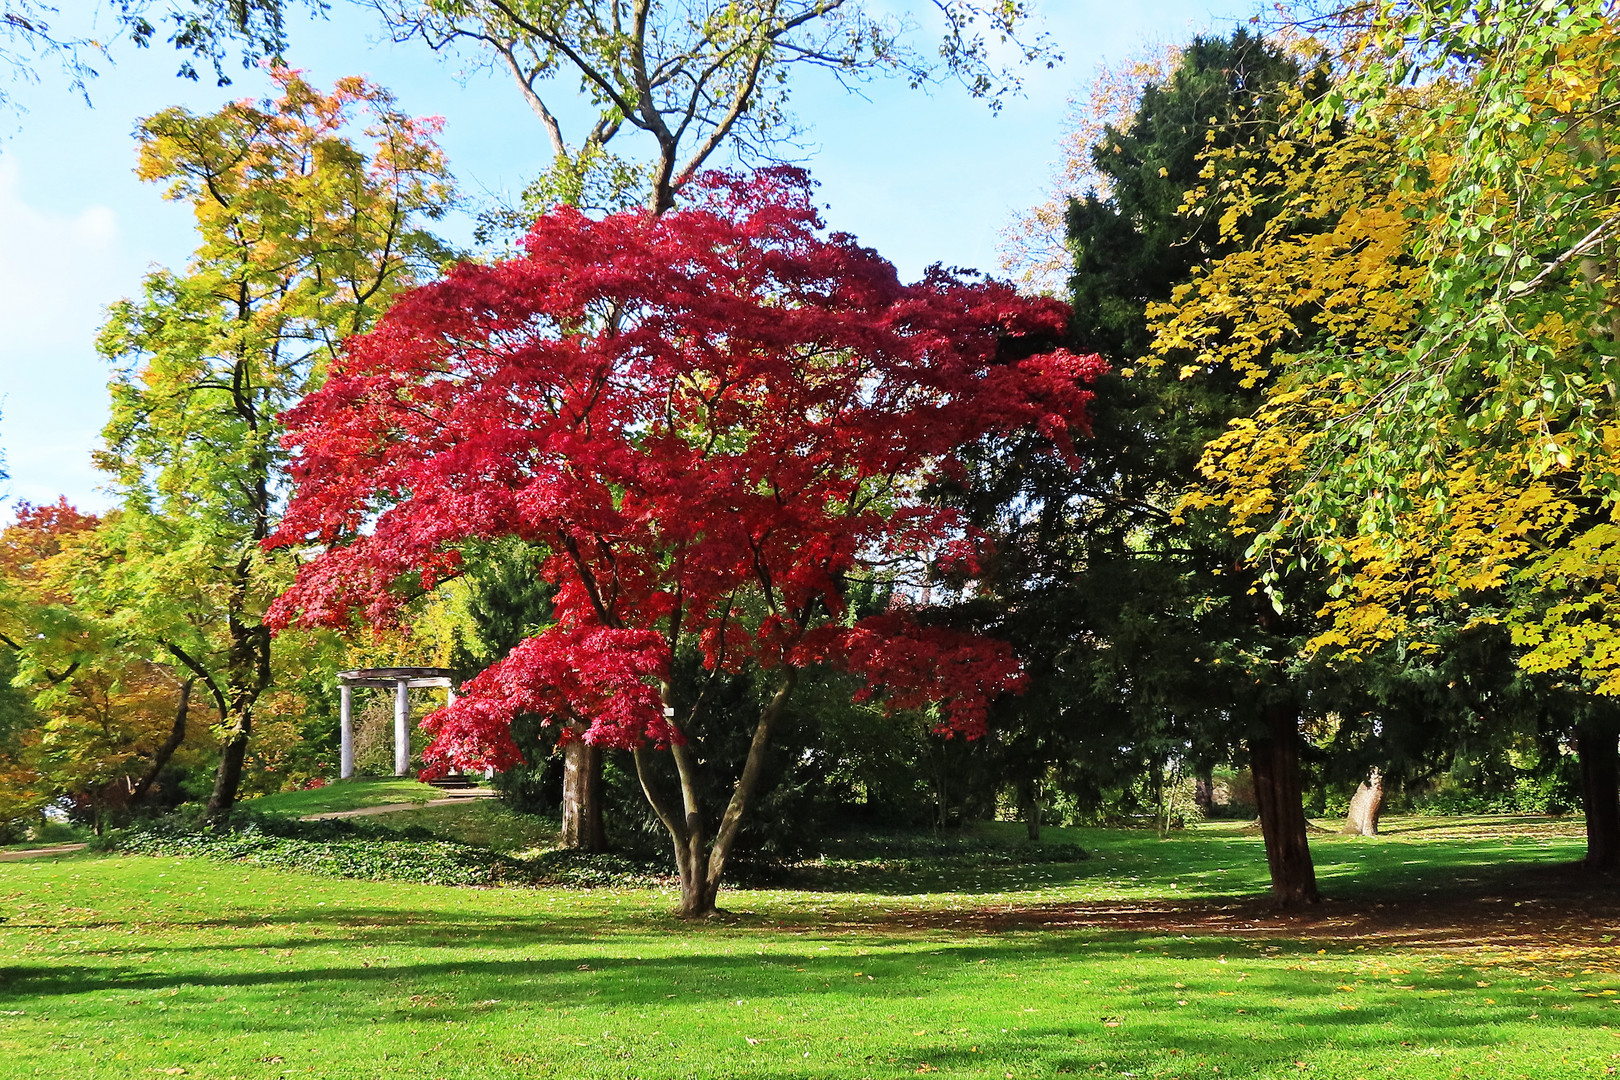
1484 439
1446 488
108 721
306 233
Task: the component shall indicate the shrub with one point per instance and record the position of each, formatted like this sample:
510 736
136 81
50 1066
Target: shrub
356 849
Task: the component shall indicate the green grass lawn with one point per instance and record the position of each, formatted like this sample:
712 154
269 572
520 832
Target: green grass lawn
344 795
1139 962
485 823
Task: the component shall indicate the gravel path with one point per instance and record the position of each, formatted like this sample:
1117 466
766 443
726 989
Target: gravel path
40 852
364 811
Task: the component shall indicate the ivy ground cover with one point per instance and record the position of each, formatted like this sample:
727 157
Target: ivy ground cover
1450 948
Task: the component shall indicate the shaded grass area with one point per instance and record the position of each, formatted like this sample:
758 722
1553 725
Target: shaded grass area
344 795
119 966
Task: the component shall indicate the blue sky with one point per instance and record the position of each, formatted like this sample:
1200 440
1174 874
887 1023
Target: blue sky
922 177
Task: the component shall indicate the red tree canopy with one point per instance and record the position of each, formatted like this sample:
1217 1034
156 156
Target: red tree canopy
708 418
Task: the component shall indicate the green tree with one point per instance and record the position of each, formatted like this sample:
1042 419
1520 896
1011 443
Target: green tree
108 719
695 77
305 238
1145 617
201 31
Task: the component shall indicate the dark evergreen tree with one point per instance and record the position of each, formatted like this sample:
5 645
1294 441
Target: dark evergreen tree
1146 639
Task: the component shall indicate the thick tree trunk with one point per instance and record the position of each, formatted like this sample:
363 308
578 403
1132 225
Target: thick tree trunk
1365 806
583 828
177 735
1274 760
1600 792
232 755
1204 791
1029 807
249 675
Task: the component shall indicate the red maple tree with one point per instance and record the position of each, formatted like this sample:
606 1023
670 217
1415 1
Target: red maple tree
710 419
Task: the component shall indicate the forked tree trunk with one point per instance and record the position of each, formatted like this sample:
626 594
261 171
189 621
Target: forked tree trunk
702 863
1600 792
582 826
177 735
1365 806
1274 761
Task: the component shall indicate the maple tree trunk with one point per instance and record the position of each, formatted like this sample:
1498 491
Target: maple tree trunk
1365 806
1274 761
582 827
1600 791
177 735
701 864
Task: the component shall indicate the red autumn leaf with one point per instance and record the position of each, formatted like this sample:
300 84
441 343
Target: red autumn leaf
710 419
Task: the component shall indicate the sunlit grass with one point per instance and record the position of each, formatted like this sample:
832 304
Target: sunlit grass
345 795
485 823
131 966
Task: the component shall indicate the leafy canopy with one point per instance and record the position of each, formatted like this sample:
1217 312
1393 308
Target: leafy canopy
305 233
713 420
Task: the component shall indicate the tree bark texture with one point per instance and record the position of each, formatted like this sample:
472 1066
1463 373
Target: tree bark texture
1274 761
232 754
702 863
1365 806
247 677
1600 791
583 828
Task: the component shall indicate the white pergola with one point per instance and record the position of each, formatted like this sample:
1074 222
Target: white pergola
403 680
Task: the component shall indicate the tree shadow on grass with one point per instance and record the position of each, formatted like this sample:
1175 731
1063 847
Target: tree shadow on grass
1250 1015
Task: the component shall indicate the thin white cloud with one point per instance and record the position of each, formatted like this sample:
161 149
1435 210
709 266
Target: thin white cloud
58 273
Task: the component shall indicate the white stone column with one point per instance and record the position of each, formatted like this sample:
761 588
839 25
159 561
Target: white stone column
346 731
402 728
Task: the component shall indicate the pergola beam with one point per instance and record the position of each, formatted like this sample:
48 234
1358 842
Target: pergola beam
402 680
